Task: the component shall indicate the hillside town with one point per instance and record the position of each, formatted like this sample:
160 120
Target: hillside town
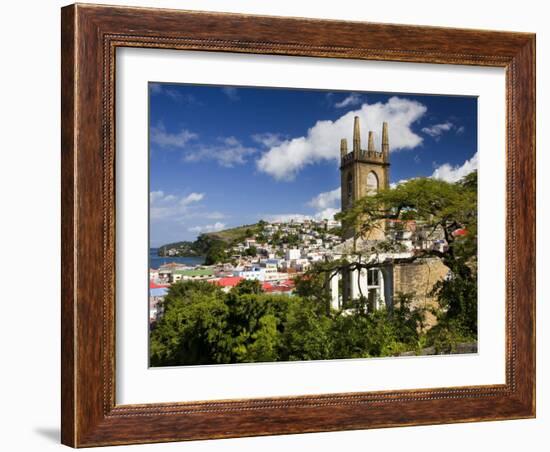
274 256
277 254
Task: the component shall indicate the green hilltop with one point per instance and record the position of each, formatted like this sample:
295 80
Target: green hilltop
236 234
213 243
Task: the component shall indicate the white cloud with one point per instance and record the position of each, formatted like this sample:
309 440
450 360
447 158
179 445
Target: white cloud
287 217
208 227
231 92
193 197
350 101
399 182
162 205
208 215
326 205
322 142
451 173
448 172
268 139
437 130
460 130
155 88
160 136
326 199
175 94
158 197
172 93
228 153
326 214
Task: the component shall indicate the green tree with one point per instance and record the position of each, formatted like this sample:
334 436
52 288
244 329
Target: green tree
192 328
276 238
203 325
217 253
264 341
251 251
436 206
248 286
306 333
291 239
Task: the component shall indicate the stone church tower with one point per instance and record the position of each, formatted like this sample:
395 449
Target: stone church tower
363 171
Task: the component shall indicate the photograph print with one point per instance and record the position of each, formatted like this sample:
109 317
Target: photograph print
298 225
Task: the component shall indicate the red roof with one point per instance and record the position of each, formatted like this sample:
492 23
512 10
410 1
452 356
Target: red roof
154 285
284 286
230 281
460 232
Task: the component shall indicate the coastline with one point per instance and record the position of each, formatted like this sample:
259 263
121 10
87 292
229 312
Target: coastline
155 261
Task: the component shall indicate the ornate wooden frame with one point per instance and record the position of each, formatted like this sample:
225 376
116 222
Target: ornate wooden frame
90 35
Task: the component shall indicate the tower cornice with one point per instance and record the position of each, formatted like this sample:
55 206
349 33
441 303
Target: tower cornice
368 157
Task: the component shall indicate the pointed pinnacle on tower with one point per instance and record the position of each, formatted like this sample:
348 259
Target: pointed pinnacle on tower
356 135
343 147
371 142
385 140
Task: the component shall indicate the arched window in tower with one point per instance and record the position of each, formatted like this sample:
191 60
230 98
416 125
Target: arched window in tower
349 188
372 183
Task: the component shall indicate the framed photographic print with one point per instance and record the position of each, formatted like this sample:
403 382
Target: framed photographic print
279 225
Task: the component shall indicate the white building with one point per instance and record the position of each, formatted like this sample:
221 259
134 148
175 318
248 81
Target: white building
293 254
302 265
368 283
250 242
153 274
253 273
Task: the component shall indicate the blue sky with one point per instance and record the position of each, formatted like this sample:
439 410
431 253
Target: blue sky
227 156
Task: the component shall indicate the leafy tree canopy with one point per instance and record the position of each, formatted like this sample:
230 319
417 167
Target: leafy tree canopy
434 205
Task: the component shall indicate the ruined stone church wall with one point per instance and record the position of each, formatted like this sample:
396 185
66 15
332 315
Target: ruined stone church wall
419 278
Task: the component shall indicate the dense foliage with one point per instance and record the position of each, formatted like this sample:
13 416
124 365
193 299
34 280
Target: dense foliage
203 325
449 207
